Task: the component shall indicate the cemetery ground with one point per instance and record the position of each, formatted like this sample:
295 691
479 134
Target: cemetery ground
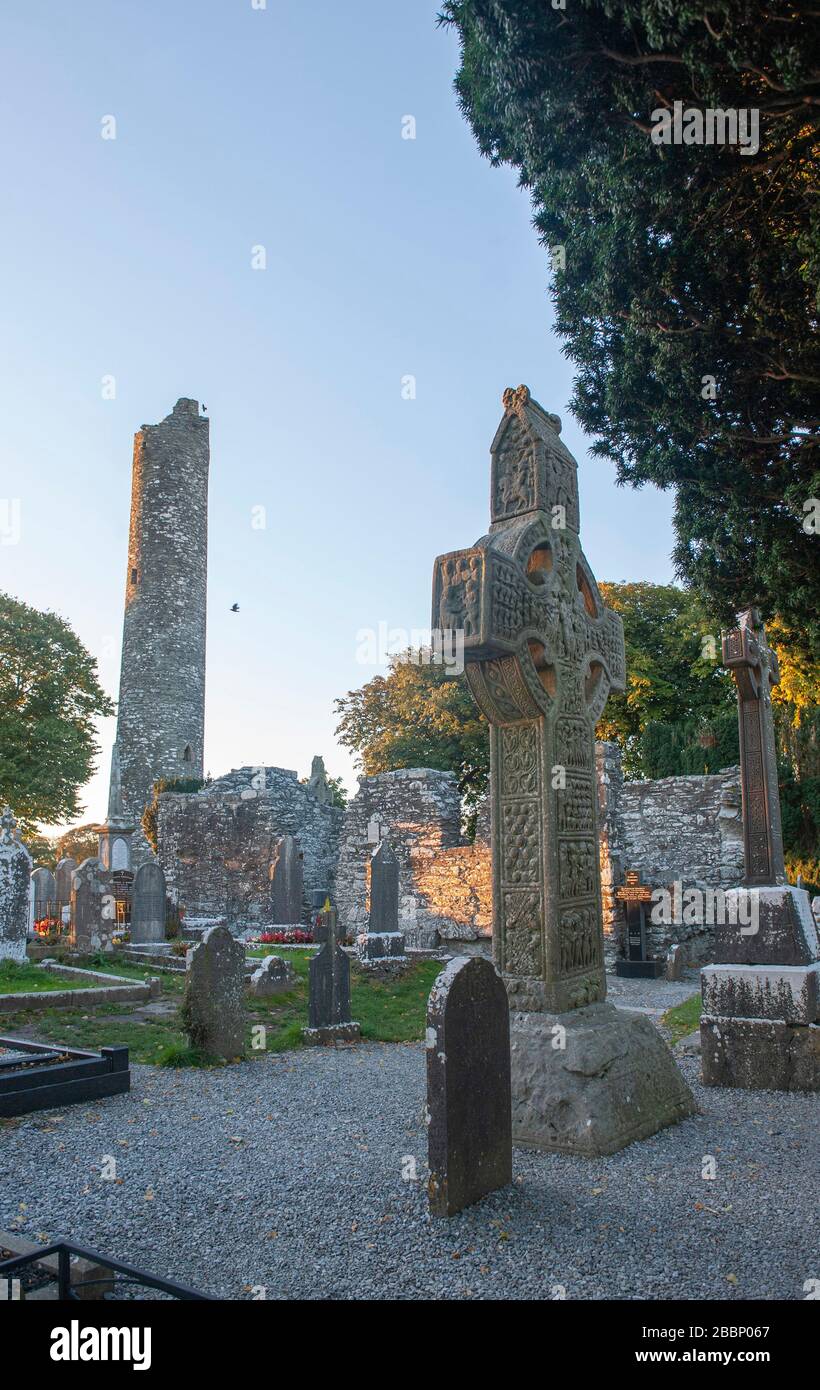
301 1172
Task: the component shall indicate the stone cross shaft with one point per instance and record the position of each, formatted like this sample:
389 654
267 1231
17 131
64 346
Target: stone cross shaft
541 654
747 654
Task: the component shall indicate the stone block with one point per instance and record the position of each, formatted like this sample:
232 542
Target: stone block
789 993
760 1054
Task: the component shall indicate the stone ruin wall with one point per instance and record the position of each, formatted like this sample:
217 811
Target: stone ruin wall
444 883
675 828
216 847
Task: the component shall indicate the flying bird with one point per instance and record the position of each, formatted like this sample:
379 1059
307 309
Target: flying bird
234 607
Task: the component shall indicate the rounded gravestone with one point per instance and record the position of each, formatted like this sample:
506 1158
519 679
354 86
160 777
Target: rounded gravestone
469 1098
213 1010
15 890
148 904
45 893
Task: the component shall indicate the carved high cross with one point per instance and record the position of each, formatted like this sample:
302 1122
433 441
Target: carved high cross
754 666
542 653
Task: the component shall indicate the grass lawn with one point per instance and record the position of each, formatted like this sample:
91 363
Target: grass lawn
393 1011
19 978
683 1018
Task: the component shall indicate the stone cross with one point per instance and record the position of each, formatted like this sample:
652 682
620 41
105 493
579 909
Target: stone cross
542 652
748 656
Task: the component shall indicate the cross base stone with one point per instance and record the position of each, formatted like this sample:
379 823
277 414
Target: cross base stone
757 1054
331 1034
615 1081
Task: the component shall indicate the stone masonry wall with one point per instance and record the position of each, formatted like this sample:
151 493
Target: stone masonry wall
685 829
216 845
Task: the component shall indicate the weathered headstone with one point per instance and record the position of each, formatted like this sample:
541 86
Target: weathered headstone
761 1000
93 908
213 1009
675 962
815 908
383 941
326 920
15 890
273 976
45 894
329 1018
318 783
287 882
469 1135
634 896
542 652
63 875
148 904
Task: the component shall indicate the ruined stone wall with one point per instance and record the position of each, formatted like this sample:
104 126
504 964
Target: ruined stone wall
216 846
420 810
162 681
687 829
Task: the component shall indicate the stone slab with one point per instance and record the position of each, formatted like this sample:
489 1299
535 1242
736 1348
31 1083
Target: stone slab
760 1054
785 932
613 1081
640 969
468 1085
789 993
331 1034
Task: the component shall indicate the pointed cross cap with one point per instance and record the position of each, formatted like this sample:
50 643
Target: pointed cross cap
525 590
384 853
532 471
747 654
8 825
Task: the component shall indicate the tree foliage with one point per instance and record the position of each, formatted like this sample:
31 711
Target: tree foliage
683 262
50 699
678 712
417 716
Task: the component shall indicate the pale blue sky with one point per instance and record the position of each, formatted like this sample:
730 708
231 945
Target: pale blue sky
385 257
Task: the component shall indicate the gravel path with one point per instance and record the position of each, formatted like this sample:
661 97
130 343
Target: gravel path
286 1173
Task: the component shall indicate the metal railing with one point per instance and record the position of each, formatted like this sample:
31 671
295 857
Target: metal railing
64 1250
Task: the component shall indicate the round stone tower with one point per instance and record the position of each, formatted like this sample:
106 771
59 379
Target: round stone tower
161 715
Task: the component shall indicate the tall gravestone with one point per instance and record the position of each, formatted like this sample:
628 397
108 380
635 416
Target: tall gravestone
63 875
213 1008
93 908
542 652
469 1135
287 888
148 904
329 1018
15 890
45 894
383 941
761 1000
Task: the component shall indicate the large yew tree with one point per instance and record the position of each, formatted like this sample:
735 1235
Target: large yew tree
676 264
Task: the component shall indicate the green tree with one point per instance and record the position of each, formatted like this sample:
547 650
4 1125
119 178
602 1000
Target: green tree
677 266
417 716
79 843
678 712
49 700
